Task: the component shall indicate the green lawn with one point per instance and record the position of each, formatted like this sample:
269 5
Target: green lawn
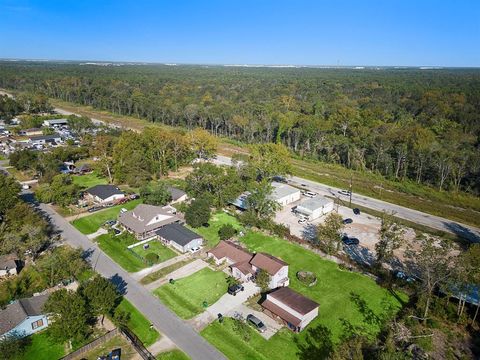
210 233
89 224
280 346
139 324
88 180
128 352
42 347
116 248
164 271
173 355
163 252
187 295
332 291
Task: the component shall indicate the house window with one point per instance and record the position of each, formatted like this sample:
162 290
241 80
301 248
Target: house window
37 324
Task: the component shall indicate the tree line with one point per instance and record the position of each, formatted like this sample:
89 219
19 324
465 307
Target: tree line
420 125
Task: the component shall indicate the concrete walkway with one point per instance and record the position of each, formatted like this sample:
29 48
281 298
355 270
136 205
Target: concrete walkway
144 272
184 271
225 305
97 233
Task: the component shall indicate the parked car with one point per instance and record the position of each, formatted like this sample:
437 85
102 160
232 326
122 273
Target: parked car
309 194
123 210
25 186
94 208
356 211
235 289
350 240
257 323
279 179
401 275
302 221
347 221
110 222
345 192
116 232
195 249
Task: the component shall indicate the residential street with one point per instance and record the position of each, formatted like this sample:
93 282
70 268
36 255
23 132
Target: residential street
435 222
162 318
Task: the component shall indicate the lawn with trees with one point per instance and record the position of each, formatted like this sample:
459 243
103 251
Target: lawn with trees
155 247
211 232
89 180
138 323
91 223
186 296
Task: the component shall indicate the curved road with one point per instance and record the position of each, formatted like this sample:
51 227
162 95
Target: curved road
466 231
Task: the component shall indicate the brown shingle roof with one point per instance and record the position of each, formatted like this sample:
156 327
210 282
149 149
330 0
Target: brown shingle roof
244 267
285 315
267 262
227 249
294 300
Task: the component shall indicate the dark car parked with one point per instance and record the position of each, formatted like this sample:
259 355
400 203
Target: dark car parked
356 211
235 289
350 241
347 221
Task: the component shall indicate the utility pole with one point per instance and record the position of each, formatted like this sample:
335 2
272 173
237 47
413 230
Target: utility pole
351 180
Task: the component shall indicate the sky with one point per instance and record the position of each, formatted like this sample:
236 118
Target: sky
300 32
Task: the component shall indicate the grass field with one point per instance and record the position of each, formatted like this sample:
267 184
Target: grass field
42 347
164 271
210 233
128 352
187 295
280 346
88 180
163 252
173 355
139 324
91 223
116 248
332 291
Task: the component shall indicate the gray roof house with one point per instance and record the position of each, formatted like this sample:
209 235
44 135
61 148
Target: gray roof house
104 193
24 317
284 194
145 219
315 207
179 237
9 265
177 195
52 122
44 139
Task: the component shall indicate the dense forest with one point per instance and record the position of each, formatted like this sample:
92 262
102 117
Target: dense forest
422 125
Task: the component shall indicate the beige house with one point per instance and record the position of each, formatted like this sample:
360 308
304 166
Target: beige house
145 219
9 265
294 309
245 265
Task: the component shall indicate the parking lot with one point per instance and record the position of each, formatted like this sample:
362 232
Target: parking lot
364 227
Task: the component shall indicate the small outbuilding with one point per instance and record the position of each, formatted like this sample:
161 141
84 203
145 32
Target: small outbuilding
55 122
315 207
179 237
9 265
177 195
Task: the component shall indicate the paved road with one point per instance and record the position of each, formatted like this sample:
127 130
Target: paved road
162 318
435 222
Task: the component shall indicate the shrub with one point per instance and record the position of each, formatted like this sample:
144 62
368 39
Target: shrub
198 212
226 232
152 258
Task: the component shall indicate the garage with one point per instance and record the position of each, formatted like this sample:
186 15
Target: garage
315 207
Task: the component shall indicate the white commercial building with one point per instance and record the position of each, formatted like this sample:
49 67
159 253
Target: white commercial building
315 207
284 194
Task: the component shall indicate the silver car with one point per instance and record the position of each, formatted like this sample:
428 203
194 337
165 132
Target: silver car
257 323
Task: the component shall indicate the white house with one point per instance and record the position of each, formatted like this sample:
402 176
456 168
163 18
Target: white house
315 207
55 122
294 309
45 139
276 268
103 194
9 265
284 194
